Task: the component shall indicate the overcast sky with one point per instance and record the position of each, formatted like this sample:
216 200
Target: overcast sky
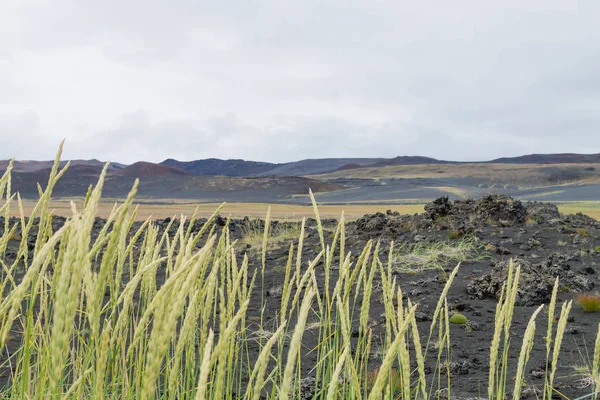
128 80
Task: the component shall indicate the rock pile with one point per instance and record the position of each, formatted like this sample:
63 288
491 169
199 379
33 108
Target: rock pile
536 281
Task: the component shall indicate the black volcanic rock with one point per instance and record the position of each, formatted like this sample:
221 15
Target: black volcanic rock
501 208
440 207
536 280
469 216
542 212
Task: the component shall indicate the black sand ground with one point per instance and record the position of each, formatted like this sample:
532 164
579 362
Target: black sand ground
546 243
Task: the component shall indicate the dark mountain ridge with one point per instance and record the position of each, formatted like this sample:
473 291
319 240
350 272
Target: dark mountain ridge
315 166
34 166
409 160
215 166
143 169
560 158
243 168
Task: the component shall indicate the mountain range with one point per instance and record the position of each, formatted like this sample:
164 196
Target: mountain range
239 167
338 179
214 166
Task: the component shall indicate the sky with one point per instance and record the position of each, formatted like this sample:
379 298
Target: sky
278 81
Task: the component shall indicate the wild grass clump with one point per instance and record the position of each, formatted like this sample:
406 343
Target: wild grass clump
424 256
283 231
529 221
139 314
455 234
589 302
583 232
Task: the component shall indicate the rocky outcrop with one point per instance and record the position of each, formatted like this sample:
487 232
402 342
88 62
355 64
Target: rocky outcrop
536 280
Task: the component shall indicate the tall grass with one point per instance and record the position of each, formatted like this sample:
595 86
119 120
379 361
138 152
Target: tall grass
141 314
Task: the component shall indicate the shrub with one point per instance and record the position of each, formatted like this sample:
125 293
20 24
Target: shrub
531 221
583 232
454 234
458 319
589 302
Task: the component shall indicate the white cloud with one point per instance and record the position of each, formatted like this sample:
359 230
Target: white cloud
280 81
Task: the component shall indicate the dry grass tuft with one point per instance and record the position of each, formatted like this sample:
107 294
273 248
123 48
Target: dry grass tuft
583 232
423 256
589 302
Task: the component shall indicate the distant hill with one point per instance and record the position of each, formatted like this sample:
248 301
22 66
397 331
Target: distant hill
159 181
409 160
243 168
33 166
240 168
364 179
347 167
564 158
318 166
215 166
564 177
144 169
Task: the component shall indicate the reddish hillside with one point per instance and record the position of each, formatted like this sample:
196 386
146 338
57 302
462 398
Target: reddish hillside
144 169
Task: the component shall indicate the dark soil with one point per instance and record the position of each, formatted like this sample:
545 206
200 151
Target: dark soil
545 243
